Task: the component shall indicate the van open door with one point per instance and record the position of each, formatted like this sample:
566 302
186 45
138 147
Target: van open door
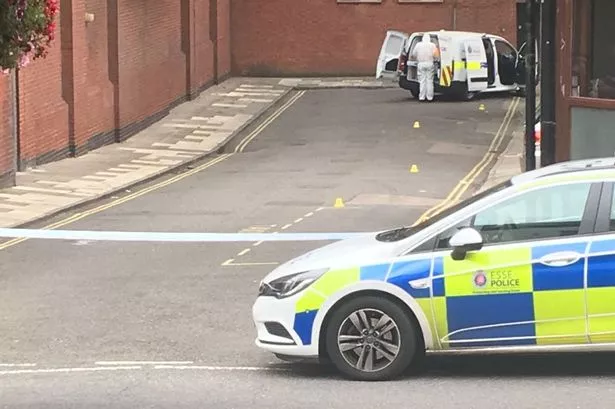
521 68
447 68
476 64
388 59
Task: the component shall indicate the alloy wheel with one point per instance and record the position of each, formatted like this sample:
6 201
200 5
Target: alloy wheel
369 340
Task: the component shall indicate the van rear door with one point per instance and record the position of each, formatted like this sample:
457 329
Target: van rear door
445 43
476 64
392 47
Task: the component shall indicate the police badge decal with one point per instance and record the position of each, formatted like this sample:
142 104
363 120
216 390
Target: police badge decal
480 279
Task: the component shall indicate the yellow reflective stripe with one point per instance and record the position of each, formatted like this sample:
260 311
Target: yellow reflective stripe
563 313
514 275
473 65
310 301
326 286
601 313
335 280
439 320
459 65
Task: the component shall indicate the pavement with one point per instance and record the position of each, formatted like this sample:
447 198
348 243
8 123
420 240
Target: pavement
156 325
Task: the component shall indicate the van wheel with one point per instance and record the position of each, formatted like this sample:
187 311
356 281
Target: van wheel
371 339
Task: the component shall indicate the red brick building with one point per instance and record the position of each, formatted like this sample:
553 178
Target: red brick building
106 79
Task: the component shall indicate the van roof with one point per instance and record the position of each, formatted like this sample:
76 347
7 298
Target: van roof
459 33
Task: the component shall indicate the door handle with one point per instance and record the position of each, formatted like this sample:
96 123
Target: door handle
560 259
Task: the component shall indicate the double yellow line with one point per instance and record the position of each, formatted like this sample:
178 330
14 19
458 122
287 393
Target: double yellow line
242 145
465 183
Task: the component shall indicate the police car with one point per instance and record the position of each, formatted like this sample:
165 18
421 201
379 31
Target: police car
528 263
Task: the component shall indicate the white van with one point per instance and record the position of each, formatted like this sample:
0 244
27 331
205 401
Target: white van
470 63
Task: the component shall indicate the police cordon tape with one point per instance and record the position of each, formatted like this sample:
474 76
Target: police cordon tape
171 237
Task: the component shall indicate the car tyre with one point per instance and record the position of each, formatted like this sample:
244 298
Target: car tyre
374 358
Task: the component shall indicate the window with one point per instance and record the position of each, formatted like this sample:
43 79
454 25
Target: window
505 49
593 49
539 214
507 62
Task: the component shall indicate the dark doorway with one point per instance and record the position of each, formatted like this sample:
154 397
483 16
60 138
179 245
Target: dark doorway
490 60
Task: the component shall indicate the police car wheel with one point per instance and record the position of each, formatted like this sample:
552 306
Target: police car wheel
371 339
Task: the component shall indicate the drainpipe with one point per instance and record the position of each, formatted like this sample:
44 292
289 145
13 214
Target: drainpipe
547 83
454 15
213 34
15 121
530 89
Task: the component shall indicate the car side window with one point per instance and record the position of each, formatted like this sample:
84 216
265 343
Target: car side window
545 213
504 49
612 218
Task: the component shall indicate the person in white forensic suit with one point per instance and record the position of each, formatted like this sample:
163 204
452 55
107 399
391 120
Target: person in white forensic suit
426 53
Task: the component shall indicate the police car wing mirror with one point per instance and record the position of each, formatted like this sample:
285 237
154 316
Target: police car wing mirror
464 241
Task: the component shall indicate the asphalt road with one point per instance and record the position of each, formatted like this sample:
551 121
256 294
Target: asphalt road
118 325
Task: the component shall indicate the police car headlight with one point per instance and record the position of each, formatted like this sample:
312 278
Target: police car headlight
290 285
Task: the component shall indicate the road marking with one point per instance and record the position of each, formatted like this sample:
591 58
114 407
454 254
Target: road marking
17 365
242 145
223 368
231 263
255 86
466 182
133 363
69 370
132 196
221 105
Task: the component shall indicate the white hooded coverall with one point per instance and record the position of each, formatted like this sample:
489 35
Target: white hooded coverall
425 53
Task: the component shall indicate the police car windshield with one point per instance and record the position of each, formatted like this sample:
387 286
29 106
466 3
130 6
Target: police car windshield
404 232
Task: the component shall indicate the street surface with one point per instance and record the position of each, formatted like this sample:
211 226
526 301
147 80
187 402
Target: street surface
124 325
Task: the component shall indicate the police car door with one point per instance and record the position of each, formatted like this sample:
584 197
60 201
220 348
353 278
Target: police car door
601 273
525 285
476 64
390 52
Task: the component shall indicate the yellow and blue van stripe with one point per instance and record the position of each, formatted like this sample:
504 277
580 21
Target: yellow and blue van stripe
515 300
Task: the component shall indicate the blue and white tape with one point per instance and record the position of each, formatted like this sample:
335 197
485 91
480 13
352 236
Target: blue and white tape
171 237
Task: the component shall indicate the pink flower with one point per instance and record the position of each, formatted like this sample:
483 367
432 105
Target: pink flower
24 60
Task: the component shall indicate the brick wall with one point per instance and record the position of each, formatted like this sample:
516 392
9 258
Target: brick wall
224 38
322 37
202 44
6 140
106 79
43 113
94 119
152 66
